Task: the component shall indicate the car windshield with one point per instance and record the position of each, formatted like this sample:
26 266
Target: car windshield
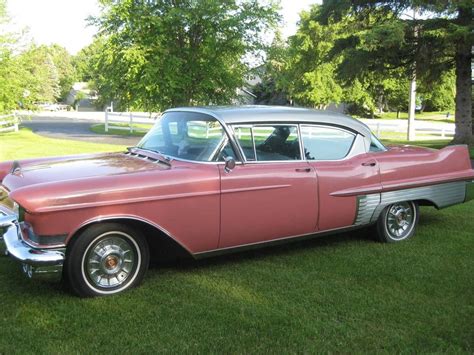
185 135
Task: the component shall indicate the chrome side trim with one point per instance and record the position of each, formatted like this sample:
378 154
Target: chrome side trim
441 195
268 243
370 206
366 206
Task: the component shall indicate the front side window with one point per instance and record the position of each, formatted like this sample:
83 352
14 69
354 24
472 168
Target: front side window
269 142
326 143
186 135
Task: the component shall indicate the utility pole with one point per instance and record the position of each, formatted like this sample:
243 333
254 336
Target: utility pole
411 108
411 136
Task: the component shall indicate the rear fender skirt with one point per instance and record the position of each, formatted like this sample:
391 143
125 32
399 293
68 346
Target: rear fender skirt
370 206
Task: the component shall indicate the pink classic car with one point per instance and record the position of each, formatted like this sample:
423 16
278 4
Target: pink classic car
206 181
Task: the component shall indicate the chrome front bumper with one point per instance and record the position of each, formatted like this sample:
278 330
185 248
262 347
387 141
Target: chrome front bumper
34 261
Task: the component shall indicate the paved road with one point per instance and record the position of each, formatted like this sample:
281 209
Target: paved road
75 129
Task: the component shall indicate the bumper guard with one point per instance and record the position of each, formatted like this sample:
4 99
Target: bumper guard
34 261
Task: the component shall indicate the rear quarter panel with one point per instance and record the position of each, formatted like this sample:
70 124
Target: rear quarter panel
409 166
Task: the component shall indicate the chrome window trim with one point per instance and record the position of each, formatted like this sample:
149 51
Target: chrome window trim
253 144
240 156
302 155
240 149
358 144
220 147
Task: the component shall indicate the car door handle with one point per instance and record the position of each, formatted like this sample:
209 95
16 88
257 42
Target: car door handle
303 170
369 163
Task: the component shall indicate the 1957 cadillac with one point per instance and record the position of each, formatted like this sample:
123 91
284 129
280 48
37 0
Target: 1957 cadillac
206 181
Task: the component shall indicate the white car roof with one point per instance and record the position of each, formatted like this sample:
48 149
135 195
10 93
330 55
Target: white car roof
262 114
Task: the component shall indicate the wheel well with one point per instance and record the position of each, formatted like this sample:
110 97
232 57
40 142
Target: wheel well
162 247
425 202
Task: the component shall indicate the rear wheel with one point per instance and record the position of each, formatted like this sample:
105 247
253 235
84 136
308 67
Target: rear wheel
106 259
397 222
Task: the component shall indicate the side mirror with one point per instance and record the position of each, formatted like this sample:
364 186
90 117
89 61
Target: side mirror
229 164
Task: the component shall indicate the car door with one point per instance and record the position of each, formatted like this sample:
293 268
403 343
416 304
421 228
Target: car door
343 167
273 194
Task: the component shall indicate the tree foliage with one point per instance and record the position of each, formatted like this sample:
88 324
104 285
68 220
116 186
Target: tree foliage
311 76
273 90
385 38
32 75
165 53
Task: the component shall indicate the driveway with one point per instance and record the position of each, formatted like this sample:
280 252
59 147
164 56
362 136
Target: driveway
75 129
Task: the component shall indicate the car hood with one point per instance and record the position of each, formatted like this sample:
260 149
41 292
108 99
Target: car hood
76 168
105 180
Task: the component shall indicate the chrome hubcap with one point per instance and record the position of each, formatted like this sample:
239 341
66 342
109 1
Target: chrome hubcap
110 262
400 219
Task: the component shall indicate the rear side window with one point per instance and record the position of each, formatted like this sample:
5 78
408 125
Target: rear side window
269 142
326 143
276 143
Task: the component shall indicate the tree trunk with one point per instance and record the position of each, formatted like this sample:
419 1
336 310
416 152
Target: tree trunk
463 115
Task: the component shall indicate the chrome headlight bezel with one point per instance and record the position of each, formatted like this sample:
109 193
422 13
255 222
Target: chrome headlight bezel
16 210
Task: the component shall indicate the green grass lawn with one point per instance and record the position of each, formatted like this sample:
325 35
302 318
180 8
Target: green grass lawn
139 129
342 293
399 138
439 116
26 144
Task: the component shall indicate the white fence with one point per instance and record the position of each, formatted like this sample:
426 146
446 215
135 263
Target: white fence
9 123
128 121
441 129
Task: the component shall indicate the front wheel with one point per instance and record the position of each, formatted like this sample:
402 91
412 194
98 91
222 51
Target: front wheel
397 222
106 259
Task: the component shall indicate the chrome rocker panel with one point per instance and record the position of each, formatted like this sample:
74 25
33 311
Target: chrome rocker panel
35 261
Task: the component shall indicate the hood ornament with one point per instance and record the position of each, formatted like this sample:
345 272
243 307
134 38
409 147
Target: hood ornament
16 169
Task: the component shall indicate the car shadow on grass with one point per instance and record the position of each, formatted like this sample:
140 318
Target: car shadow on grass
286 249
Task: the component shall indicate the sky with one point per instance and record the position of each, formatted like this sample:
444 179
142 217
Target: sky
64 21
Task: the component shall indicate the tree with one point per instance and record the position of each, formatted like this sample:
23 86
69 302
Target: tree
178 52
385 38
312 80
441 95
42 77
66 71
10 73
37 74
272 90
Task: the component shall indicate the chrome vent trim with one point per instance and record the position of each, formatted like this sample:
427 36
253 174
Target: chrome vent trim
366 206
